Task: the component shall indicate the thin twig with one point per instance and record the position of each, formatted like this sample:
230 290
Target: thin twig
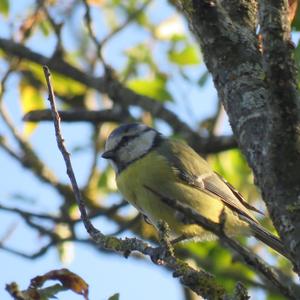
60 143
29 214
88 21
130 18
8 233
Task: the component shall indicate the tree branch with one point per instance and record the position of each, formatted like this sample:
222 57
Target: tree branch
80 115
120 94
281 184
122 26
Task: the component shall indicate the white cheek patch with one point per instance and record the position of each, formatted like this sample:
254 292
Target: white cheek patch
112 143
138 146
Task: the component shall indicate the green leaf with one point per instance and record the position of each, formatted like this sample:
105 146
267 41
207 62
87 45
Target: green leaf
114 297
188 56
203 78
4 7
63 85
143 20
45 27
155 88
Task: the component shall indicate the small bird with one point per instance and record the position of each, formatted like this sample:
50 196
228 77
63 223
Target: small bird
150 166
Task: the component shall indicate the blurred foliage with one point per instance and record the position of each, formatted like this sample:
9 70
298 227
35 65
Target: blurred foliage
233 167
4 7
154 55
155 88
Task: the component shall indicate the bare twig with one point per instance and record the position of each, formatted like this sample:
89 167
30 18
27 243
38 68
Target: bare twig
88 21
8 233
8 149
32 256
28 157
57 28
130 18
99 44
29 214
60 142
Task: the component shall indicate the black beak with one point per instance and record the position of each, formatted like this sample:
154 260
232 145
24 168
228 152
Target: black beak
108 154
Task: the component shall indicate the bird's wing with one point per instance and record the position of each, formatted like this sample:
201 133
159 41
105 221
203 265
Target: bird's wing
215 186
195 171
239 196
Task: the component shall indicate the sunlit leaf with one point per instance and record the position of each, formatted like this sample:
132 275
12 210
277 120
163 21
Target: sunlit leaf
65 249
31 99
188 56
107 182
143 20
137 55
272 296
155 88
45 27
170 28
4 7
63 85
139 52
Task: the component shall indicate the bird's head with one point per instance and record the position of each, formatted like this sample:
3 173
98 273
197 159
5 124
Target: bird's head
128 143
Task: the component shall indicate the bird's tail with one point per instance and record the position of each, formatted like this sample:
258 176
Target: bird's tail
268 238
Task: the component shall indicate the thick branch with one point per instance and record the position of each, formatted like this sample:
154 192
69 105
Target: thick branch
215 143
282 152
79 115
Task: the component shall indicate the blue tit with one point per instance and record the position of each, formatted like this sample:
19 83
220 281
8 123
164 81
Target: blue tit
145 161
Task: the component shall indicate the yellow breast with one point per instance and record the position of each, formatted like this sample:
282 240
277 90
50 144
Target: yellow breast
154 171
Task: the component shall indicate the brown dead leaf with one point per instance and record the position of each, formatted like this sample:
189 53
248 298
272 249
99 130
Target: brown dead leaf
67 278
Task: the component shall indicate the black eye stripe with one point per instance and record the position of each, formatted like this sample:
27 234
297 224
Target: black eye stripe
125 139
